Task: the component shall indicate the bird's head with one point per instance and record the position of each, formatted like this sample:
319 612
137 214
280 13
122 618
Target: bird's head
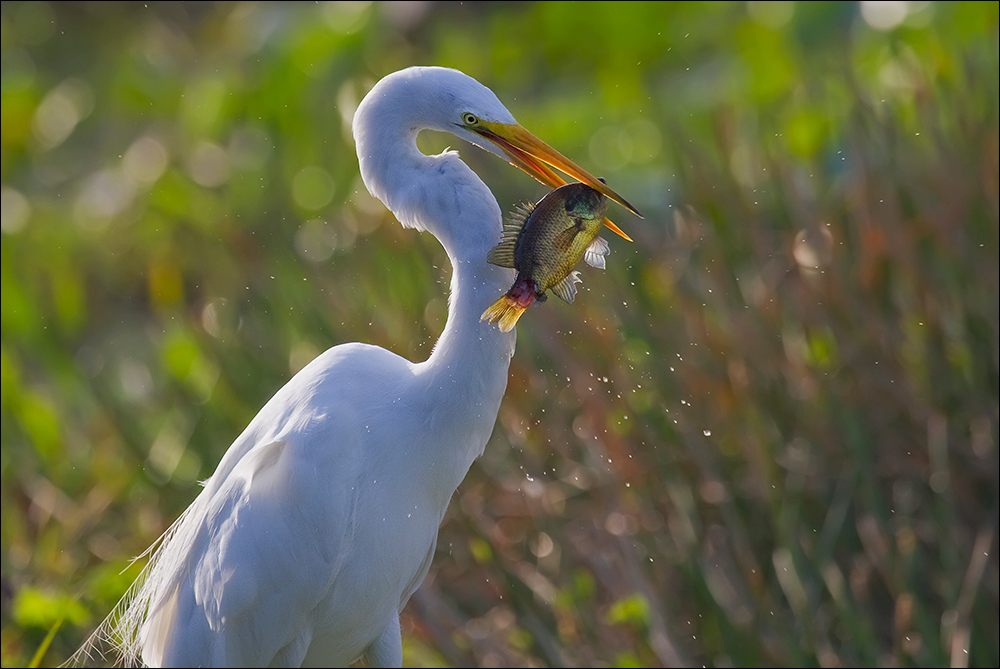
511 141
448 100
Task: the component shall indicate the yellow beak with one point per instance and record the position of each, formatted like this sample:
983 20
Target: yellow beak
538 158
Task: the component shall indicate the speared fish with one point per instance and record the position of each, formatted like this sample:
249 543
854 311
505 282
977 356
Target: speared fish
544 242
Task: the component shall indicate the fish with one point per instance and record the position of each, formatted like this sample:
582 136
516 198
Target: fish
544 242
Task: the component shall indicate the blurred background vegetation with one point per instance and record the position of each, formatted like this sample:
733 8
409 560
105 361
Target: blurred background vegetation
766 435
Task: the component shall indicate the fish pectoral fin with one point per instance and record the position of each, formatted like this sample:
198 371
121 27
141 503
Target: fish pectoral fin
594 255
566 289
564 240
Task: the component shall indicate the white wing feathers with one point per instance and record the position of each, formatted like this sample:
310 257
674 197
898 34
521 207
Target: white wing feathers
246 593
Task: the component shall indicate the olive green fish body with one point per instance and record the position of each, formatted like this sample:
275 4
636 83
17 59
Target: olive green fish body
544 243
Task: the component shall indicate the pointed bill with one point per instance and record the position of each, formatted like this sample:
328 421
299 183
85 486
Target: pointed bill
538 159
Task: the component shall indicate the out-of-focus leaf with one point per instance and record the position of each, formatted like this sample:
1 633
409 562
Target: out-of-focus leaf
632 610
36 608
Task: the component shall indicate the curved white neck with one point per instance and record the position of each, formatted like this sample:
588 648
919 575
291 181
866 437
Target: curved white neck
466 340
462 383
472 356
464 379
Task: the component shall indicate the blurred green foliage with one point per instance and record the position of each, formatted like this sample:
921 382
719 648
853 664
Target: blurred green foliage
766 435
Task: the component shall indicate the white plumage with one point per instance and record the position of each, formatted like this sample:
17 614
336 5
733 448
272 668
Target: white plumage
322 517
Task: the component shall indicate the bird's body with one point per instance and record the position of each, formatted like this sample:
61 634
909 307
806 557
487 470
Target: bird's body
322 517
343 426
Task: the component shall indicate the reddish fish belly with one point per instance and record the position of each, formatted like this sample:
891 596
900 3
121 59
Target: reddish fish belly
523 292
512 304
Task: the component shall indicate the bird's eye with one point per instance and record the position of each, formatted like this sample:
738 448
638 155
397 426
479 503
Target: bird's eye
470 119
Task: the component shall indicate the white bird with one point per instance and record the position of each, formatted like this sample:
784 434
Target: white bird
322 517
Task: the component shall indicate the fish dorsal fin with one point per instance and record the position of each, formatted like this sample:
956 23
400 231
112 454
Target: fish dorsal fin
520 215
565 290
594 255
502 254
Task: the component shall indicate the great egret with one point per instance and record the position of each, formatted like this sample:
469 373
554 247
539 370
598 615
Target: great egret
322 517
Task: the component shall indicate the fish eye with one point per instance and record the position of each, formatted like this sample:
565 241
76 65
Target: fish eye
470 119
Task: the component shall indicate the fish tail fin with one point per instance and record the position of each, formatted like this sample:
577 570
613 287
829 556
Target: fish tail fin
504 311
